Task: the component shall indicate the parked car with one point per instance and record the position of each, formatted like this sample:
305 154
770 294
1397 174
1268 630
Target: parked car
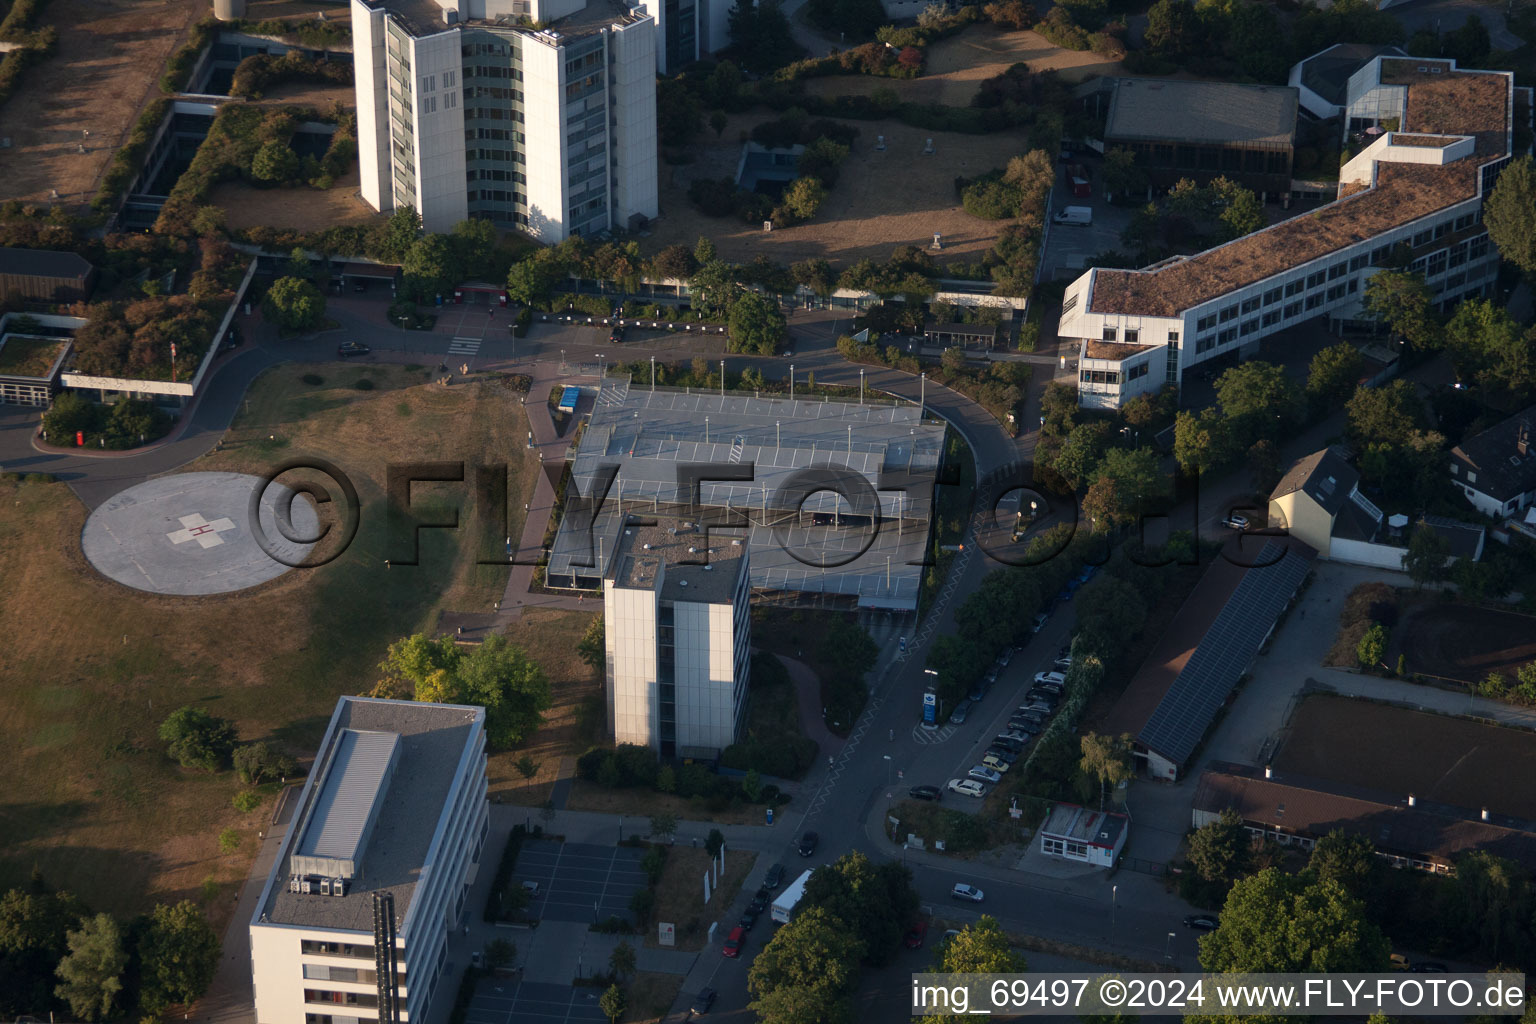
1062 663
760 901
734 941
352 348
703 1001
1026 727
1087 573
1008 742
1003 754
1040 706
981 773
774 878
1236 522
808 843
359 286
916 934
990 677
977 695
957 716
616 335
1004 658
961 891
1018 736
749 917
967 787
926 793
1050 679
995 763
1050 698
1200 922
1040 620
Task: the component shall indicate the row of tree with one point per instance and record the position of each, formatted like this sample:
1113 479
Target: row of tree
54 952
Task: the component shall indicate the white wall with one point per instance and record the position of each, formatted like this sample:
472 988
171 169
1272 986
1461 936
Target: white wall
544 104
371 78
714 26
632 95
1359 552
442 196
705 674
629 621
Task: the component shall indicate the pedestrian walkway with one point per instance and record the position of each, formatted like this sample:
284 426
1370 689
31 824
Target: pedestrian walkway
464 347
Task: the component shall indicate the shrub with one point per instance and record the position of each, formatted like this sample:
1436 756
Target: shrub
197 739
247 800
314 380
363 384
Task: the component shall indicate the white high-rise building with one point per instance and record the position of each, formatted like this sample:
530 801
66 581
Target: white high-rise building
465 109
372 876
678 633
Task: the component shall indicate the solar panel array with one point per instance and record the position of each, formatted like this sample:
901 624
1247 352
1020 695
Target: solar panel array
1186 711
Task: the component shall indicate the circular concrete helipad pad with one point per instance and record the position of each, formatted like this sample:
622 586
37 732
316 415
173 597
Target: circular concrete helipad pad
189 534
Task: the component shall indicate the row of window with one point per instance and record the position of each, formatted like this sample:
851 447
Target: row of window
496 174
494 114
1133 335
494 92
494 135
322 995
504 156
493 71
1135 372
1100 376
1274 317
1064 848
496 195
1314 280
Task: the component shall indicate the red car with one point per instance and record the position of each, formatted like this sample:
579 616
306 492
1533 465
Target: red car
916 935
734 941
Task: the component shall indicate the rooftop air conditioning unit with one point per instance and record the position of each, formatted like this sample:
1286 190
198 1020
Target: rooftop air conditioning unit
647 547
306 886
682 583
293 884
325 886
338 887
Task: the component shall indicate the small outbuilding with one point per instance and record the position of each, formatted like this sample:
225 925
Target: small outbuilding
1077 833
964 335
42 275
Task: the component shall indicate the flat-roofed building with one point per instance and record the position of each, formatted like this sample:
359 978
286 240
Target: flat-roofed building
1206 130
678 634
1077 833
42 275
1416 191
371 878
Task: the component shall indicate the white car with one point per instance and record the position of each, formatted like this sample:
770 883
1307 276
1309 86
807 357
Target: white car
967 787
1235 522
1050 679
1062 663
982 773
961 891
1039 623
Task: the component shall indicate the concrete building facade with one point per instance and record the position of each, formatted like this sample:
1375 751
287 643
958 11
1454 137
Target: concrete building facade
353 923
678 636
465 110
1412 195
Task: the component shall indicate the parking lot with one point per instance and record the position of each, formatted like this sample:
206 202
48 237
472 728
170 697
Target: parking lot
1068 247
529 1002
580 881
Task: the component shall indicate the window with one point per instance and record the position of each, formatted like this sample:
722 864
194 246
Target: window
1437 263
1471 477
1354 285
448 79
1292 309
1441 229
1380 254
335 949
429 105
450 100
1205 344
1423 238
1271 318
1294 287
1135 372
1272 296
1337 271
1173 337
1313 301
1227 336
1250 305
1459 255
1110 334
1359 262
1313 280
1478 247
1078 850
1454 469
1335 292
1069 305
1205 323
1230 313
1100 376
1249 327
1465 221
428 83
1132 335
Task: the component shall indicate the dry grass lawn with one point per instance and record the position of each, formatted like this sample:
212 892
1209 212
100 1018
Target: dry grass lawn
650 996
550 637
680 896
299 208
644 803
108 65
91 668
882 199
1355 620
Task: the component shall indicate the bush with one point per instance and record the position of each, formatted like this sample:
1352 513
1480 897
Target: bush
246 801
197 739
363 384
1060 29
504 869
314 380
991 199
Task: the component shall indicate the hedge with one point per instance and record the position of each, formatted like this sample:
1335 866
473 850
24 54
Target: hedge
504 870
312 32
179 68
261 70
130 158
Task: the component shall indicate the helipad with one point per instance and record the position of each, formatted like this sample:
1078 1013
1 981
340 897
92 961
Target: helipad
189 533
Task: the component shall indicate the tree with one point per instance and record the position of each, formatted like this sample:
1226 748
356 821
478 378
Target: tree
815 274
530 281
663 826
981 948
1290 923
1121 174
714 841
34 925
496 675
816 954
613 1003
178 953
1242 213
1108 759
526 767
876 901
1137 473
229 841
1220 851
1388 414
91 975
274 164
257 761
1428 556
802 199
500 952
1105 507
674 261
394 238
197 739
1487 344
1078 458
1202 441
622 960
1334 374
1258 400
755 324
293 304
1469 44
592 648
1347 859
1402 300
476 249
1510 214
1371 651
431 267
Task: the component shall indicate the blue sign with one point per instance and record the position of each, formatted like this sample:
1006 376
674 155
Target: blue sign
930 707
769 811
903 645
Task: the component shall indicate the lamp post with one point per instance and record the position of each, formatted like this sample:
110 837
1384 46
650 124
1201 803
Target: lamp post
562 360
1168 950
722 380
791 382
706 430
861 387
887 768
653 373
1114 891
922 394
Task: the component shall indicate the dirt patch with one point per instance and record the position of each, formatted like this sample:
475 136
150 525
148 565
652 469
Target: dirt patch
680 896
882 199
1438 758
1458 642
108 65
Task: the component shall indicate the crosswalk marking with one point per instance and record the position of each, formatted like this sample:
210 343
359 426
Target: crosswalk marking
464 347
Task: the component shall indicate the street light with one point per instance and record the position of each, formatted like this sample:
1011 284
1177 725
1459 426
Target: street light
887 768
1168 951
653 373
1114 891
922 394
861 387
791 382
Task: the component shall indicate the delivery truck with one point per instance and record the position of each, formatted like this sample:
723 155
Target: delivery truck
1081 216
784 907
